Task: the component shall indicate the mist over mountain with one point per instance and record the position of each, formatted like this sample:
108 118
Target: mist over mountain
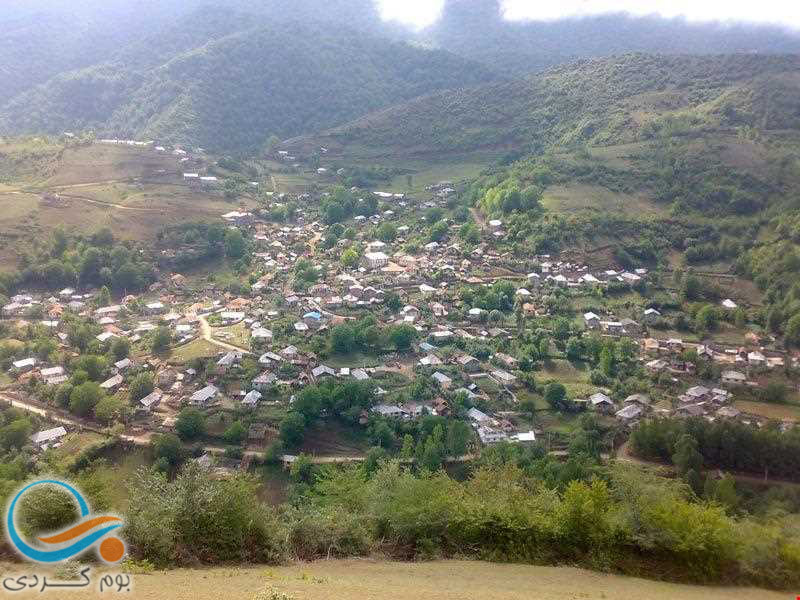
229 74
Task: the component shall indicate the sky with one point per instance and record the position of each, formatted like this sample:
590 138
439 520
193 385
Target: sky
419 13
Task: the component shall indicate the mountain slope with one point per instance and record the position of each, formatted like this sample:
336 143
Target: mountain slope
475 29
600 101
40 39
234 92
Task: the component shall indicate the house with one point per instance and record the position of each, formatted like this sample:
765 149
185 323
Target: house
24 365
124 364
204 396
657 365
473 414
431 360
261 334
251 398
376 260
733 378
52 372
491 435
729 304
637 399
614 327
388 410
442 379
630 326
757 359
264 381
49 438
601 403
591 320
470 364
651 316
504 377
524 437
629 413
322 371
227 361
360 375
112 383
698 393
475 314
151 400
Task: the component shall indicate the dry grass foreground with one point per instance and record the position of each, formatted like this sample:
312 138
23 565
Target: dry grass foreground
382 580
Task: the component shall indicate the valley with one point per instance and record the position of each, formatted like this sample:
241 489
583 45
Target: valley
322 305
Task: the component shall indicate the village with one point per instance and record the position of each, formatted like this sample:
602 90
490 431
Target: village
456 311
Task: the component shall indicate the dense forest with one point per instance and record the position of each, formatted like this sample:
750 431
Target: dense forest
237 91
600 101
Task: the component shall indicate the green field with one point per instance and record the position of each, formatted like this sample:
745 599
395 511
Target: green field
371 579
573 198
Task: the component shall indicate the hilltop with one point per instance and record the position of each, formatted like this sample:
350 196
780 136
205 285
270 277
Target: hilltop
598 102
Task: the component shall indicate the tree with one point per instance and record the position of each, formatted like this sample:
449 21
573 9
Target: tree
104 296
706 318
161 340
168 447
94 366
607 361
190 424
109 409
235 245
234 434
407 451
387 232
293 429
686 456
793 330
349 258
402 336
555 394
458 437
573 349
302 469
343 338
15 434
140 386
438 231
120 348
375 456
85 397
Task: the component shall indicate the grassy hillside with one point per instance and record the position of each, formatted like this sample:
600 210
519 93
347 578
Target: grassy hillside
435 580
597 102
97 189
235 91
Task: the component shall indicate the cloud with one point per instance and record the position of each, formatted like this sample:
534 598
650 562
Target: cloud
781 12
415 13
421 13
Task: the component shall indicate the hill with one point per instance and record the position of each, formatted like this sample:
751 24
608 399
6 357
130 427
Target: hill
475 29
597 102
235 91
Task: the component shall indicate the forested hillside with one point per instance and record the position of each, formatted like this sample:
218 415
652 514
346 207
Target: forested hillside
235 92
599 101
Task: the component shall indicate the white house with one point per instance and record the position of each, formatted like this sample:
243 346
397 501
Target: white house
376 260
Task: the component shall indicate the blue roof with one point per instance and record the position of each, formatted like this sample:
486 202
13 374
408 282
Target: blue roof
312 315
